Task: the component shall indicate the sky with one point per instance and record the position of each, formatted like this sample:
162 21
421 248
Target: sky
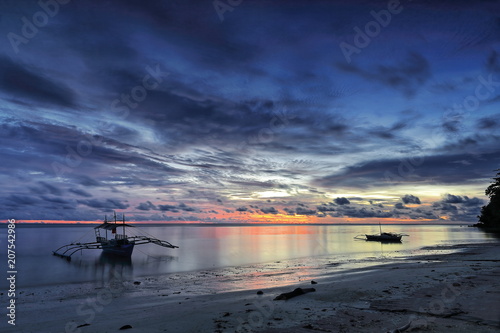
279 111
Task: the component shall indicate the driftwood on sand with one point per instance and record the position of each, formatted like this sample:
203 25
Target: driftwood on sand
296 292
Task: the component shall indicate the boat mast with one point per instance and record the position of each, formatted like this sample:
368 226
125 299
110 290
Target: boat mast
123 225
106 221
115 224
380 226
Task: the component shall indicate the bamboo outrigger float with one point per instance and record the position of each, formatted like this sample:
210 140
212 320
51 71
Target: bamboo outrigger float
120 244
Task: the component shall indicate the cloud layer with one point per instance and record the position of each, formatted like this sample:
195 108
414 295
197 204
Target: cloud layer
168 111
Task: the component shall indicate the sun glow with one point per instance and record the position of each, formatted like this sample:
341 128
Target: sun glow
272 194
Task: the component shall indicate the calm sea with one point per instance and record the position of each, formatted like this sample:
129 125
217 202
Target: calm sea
204 248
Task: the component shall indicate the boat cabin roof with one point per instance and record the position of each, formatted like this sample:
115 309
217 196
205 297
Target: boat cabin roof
111 226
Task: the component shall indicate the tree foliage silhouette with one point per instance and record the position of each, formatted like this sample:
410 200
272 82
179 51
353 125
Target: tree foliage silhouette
490 214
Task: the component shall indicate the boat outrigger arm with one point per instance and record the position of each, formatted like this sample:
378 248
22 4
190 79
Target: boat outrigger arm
66 251
120 244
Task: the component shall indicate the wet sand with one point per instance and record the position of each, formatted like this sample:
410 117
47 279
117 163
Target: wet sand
436 292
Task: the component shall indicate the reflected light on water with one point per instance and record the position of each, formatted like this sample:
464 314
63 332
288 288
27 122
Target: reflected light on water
267 253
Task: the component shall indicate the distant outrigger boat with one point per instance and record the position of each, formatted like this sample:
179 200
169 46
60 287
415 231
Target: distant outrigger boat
385 237
120 245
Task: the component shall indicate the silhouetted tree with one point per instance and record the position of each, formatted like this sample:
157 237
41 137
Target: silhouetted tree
490 214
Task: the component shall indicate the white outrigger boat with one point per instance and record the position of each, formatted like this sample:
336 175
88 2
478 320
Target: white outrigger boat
121 244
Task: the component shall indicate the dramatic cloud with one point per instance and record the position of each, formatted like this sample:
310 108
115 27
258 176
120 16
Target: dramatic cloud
18 81
167 113
105 205
457 199
399 205
305 211
146 206
79 192
269 210
411 199
408 76
342 201
325 208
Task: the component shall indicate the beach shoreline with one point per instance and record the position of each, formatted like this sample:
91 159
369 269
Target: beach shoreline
436 291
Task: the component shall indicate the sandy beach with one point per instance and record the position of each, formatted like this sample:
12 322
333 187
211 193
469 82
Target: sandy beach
435 292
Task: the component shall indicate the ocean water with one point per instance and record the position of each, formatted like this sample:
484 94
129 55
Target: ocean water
269 250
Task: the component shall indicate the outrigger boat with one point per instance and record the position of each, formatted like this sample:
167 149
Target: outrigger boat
121 244
385 237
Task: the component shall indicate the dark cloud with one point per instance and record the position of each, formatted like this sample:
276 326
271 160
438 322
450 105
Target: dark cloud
488 123
341 201
56 200
45 188
325 208
493 62
146 206
22 82
304 211
409 198
269 210
407 77
165 208
186 208
80 192
363 212
21 200
399 205
172 208
446 207
105 205
450 198
241 209
416 169
87 181
457 199
51 188
453 123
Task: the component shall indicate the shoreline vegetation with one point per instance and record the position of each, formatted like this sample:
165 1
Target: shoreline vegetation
489 220
448 288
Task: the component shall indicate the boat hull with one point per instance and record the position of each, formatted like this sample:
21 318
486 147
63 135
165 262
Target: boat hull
384 238
123 250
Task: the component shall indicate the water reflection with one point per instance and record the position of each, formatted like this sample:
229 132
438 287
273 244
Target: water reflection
207 247
104 268
109 267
